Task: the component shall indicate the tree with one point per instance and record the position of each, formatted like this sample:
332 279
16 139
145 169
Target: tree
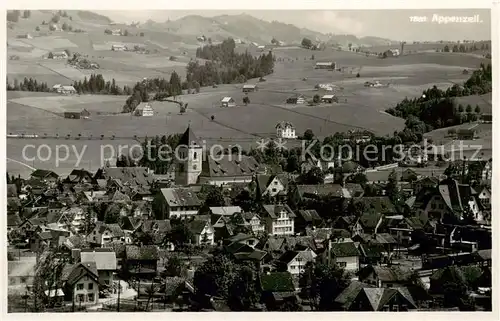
215 197
141 34
48 277
175 84
292 163
460 108
316 99
37 28
308 135
322 283
358 75
112 213
468 109
196 86
55 18
477 110
13 16
246 100
26 14
306 43
65 26
174 266
314 176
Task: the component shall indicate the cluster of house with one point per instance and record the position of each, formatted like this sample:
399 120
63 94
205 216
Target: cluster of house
378 246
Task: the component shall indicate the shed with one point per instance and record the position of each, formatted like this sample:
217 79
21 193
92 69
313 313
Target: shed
228 102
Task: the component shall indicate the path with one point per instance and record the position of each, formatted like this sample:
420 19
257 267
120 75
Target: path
21 163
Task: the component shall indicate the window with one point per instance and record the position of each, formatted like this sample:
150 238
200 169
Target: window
274 190
79 286
195 155
81 298
106 282
433 206
441 206
90 297
275 183
194 166
91 286
342 264
94 232
23 279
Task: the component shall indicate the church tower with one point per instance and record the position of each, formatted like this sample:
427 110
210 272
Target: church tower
188 159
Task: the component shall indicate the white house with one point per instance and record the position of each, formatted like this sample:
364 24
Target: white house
144 110
58 55
116 32
228 102
485 196
66 90
255 222
344 253
327 99
203 232
279 219
180 202
105 260
325 65
285 129
118 48
296 261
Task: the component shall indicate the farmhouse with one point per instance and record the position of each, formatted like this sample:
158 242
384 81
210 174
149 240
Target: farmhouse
249 88
466 134
325 65
261 48
328 99
60 89
118 48
296 100
285 129
144 109
116 32
391 53
58 55
77 114
228 102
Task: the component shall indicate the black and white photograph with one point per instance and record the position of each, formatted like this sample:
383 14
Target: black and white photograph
249 160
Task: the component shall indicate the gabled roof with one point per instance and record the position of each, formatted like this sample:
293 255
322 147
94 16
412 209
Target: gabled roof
230 166
104 259
145 252
227 99
159 226
82 269
309 215
347 297
387 273
344 249
177 196
131 176
43 174
196 226
275 209
225 210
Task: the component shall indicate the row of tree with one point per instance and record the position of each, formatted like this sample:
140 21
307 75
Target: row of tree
96 84
464 48
437 108
28 84
226 66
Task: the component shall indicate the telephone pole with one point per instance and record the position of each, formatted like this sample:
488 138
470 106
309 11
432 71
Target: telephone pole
118 301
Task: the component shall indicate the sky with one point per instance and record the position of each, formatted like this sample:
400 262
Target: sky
391 24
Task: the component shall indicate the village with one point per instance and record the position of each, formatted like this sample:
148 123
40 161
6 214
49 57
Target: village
127 239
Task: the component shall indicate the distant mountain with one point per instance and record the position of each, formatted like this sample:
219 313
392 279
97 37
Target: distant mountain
249 28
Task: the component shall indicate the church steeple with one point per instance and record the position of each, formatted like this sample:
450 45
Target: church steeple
189 138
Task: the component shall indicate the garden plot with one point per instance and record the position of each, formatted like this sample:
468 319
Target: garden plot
51 43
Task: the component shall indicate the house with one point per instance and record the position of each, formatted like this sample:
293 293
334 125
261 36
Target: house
64 89
328 99
103 234
84 114
325 166
116 32
277 289
343 252
21 274
58 55
248 88
365 297
285 129
25 36
385 276
484 196
296 100
118 48
294 262
178 202
229 169
279 219
466 134
307 219
144 110
141 261
78 176
45 176
82 285
487 118
381 177
224 210
105 261
228 102
255 222
125 178
325 65
271 185
203 232
391 53
447 202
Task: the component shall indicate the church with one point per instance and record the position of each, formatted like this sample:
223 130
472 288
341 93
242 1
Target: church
193 165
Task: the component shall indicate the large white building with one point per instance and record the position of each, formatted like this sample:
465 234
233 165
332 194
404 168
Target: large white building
279 220
285 130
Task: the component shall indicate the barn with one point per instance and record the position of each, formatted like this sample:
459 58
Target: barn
228 102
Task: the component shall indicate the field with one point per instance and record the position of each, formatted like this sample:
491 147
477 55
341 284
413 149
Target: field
359 107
